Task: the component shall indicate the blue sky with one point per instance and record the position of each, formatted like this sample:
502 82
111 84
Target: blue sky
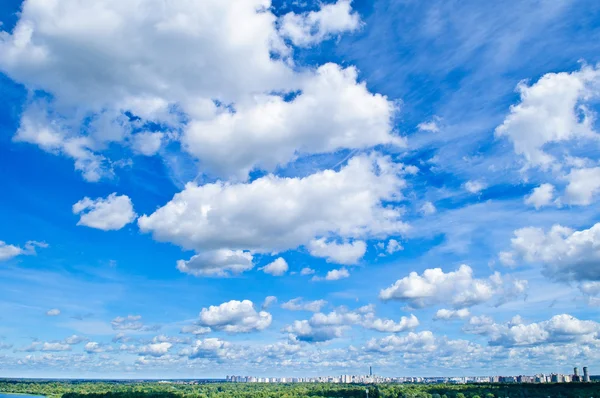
299 188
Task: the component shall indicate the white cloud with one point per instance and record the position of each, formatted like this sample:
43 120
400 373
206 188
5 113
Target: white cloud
269 300
169 48
147 143
584 185
393 246
307 271
475 186
209 348
219 263
10 251
389 326
276 268
428 208
445 314
196 330
323 327
340 253
541 196
284 213
298 305
94 347
74 340
431 127
315 26
275 131
132 322
551 111
109 214
457 287
560 329
333 275
53 312
565 254
155 349
235 317
411 343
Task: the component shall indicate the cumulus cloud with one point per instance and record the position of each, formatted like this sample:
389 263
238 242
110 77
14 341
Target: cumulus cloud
195 329
307 271
315 26
541 196
430 127
412 343
269 300
280 213
475 187
552 110
155 349
132 322
242 95
458 287
235 317
564 253
583 187
428 208
445 314
340 253
147 143
53 312
209 348
47 347
323 327
10 251
276 268
217 263
298 304
333 275
560 329
109 214
74 340
93 347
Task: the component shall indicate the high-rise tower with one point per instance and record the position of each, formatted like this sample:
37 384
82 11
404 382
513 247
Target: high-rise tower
370 371
586 375
576 374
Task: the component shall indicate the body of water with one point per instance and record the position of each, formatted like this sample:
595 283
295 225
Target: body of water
4 395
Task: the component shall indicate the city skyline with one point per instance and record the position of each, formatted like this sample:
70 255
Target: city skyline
280 187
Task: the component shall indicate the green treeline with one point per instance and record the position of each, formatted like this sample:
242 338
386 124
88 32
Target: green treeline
74 389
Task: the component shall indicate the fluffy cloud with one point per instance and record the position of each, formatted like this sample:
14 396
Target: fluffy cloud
428 208
323 327
275 131
551 111
276 268
171 47
315 26
147 143
94 347
235 317
53 312
541 196
393 246
584 185
412 342
333 275
47 347
132 322
219 263
298 305
307 271
9 251
565 254
340 253
560 329
457 287
209 348
195 329
109 214
155 349
74 340
475 186
445 314
284 213
269 300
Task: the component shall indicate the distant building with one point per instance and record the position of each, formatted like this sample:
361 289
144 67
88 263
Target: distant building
586 375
